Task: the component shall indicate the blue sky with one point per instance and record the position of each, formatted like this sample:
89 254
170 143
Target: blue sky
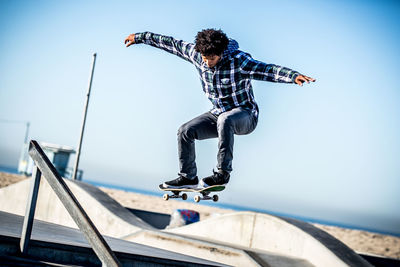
327 151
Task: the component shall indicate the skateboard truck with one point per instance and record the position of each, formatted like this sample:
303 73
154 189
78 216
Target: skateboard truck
205 196
175 195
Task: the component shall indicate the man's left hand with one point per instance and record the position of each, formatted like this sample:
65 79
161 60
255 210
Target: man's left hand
130 40
302 78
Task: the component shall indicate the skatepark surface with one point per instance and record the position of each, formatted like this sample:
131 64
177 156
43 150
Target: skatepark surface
53 242
237 239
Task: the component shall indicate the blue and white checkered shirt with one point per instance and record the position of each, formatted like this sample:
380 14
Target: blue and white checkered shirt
228 84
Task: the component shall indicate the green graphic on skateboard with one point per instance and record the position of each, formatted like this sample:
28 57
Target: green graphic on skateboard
204 192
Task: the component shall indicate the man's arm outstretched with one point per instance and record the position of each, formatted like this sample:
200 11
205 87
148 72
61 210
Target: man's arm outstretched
269 72
180 48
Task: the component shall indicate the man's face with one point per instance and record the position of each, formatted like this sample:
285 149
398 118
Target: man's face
211 61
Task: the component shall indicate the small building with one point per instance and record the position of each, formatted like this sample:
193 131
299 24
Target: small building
57 154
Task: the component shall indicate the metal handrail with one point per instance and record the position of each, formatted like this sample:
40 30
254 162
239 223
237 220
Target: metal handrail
56 182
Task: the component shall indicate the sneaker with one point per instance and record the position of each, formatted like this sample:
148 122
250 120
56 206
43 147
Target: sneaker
181 182
218 178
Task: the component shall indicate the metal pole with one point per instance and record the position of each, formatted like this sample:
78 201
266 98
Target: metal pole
78 153
27 132
30 210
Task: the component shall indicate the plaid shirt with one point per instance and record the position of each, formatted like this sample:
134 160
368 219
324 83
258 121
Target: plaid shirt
228 84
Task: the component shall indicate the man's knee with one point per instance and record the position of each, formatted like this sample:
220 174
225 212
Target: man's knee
186 132
224 122
237 122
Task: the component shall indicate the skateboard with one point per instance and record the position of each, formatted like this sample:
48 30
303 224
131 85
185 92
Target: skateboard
204 192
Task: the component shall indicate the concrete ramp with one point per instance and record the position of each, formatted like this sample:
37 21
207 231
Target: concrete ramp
238 239
214 251
266 233
253 239
109 216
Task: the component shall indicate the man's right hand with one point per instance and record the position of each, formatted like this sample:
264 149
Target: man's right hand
302 78
130 40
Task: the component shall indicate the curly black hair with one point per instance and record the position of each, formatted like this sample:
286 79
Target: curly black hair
210 42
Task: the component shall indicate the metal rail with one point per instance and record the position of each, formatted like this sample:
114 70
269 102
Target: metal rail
45 167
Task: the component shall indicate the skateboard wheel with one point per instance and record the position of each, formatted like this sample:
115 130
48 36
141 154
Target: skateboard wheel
215 198
165 197
184 196
197 199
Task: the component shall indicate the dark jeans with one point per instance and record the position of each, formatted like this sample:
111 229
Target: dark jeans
238 121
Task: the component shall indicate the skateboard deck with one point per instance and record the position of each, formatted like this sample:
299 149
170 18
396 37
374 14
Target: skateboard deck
204 192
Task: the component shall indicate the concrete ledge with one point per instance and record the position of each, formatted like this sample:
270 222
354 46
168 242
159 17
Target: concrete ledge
60 244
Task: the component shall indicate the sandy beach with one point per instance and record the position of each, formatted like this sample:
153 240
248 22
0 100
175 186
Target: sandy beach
360 241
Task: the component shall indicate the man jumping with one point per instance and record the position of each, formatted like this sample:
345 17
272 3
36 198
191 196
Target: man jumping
225 74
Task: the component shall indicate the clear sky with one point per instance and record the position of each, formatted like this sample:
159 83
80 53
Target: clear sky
327 151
